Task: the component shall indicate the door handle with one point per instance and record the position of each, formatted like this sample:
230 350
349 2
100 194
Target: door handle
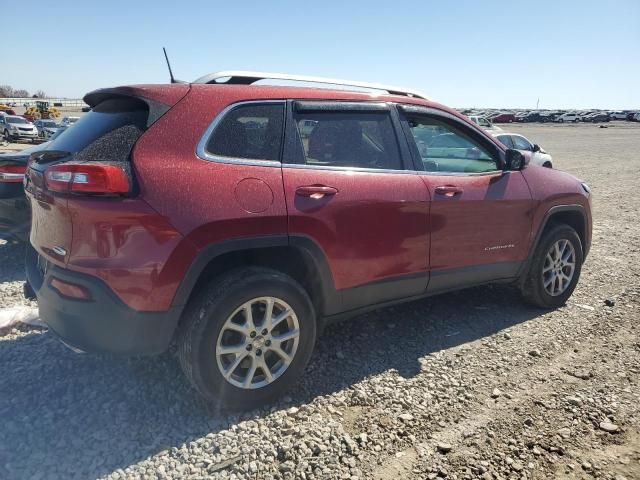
449 190
316 191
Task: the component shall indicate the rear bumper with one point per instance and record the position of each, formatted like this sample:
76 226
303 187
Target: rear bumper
101 325
15 218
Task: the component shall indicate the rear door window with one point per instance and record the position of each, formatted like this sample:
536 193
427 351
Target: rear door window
251 131
348 139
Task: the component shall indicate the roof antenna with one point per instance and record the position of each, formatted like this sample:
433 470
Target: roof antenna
173 80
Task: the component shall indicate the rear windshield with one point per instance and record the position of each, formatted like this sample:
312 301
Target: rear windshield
109 130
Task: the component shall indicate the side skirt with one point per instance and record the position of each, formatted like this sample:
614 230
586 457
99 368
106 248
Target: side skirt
441 281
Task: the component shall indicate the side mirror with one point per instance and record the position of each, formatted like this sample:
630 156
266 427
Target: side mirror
536 147
514 160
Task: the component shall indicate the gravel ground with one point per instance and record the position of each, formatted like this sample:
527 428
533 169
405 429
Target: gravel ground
468 385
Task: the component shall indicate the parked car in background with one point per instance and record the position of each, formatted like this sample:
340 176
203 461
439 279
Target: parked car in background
484 123
522 143
503 117
15 217
242 262
42 124
632 116
586 117
568 117
69 120
636 117
547 117
618 115
533 117
598 117
14 127
52 132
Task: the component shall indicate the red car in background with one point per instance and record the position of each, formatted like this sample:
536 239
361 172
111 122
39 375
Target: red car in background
238 220
503 118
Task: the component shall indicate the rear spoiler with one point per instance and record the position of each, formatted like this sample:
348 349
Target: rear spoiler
159 98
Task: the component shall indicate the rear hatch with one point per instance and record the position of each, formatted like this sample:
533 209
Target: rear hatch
91 159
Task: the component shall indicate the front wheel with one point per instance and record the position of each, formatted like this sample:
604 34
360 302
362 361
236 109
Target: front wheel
7 137
247 337
554 269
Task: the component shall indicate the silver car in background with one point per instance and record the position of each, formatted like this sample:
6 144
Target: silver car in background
41 125
14 127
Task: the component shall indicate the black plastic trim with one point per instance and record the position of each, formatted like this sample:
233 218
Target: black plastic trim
308 106
385 290
547 216
207 254
103 324
452 279
446 281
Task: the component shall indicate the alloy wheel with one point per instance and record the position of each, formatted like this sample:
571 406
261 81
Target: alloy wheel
257 342
559 267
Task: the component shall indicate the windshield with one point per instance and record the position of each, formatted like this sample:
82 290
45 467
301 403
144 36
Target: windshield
49 123
16 120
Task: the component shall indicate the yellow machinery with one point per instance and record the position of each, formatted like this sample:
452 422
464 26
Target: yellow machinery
41 110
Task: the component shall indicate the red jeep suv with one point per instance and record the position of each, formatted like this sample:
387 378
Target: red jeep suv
238 219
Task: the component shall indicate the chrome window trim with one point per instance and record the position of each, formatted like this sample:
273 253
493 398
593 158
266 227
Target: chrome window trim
201 148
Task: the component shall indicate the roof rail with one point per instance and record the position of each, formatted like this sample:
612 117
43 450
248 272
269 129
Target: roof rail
238 77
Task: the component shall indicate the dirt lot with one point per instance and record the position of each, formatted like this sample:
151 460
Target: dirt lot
468 385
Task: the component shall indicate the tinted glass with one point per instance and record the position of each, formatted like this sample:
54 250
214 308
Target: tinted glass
120 116
444 148
16 120
521 143
249 131
356 140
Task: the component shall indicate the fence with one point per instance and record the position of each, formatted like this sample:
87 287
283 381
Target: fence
66 102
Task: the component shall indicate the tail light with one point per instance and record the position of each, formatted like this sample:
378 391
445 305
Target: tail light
12 173
89 177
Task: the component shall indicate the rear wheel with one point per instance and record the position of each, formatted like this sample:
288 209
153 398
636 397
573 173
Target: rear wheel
555 268
247 337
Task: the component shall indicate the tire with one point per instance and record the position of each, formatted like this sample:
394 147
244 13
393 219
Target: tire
533 287
205 328
7 137
561 120
547 165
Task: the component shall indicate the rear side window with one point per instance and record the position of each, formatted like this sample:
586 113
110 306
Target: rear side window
354 140
107 133
249 131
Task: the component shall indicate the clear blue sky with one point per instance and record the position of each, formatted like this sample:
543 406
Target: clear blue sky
569 53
